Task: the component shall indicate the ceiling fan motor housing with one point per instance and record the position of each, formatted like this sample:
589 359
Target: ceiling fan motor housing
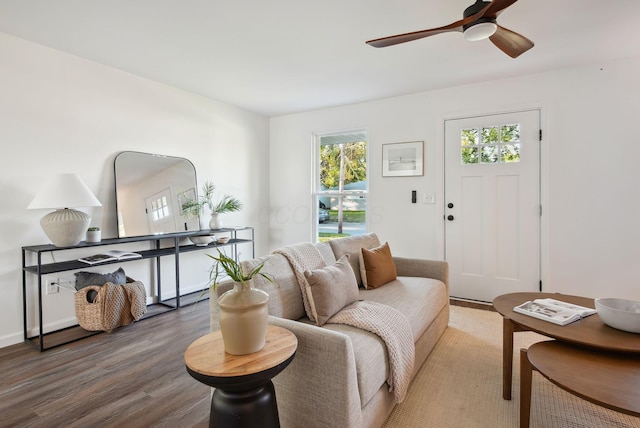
472 10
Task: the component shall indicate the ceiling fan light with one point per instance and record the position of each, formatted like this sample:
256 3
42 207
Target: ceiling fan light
480 31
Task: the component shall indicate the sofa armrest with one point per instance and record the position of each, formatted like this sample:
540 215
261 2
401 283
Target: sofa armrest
436 269
320 387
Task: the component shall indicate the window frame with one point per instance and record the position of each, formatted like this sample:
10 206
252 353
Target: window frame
316 188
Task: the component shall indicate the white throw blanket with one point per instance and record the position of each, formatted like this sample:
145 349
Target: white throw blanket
394 329
122 303
384 321
302 257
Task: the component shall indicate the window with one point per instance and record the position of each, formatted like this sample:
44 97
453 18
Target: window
160 208
340 185
496 144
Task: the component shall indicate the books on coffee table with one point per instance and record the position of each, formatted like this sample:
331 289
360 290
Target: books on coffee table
555 311
108 256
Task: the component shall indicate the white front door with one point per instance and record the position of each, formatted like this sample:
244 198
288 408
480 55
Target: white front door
492 204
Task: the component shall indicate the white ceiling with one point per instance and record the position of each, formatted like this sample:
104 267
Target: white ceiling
284 56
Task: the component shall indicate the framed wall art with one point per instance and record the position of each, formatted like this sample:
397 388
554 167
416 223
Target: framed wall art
403 159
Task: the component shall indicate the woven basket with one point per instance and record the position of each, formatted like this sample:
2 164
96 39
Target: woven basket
89 314
101 315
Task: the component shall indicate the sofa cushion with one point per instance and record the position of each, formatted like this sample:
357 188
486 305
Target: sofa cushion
376 266
352 246
331 288
327 253
285 298
419 299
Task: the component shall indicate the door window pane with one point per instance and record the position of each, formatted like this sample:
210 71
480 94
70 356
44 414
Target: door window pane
490 145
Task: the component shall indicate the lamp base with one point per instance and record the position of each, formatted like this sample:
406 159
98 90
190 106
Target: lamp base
65 227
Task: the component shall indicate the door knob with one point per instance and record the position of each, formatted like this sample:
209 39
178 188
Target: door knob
450 205
450 217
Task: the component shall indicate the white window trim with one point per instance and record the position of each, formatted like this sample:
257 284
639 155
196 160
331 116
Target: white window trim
315 168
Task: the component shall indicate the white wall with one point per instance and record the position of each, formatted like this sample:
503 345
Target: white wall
591 242
60 113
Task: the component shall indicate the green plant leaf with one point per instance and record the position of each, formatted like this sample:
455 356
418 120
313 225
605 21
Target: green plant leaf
195 207
224 264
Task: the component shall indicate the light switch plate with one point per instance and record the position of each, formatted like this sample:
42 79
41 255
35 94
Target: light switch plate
428 198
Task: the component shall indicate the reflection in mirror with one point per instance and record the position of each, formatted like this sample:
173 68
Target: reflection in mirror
150 190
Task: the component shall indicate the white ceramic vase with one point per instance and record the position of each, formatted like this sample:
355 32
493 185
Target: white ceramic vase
243 318
215 222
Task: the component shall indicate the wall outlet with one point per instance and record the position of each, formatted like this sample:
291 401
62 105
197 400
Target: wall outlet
52 286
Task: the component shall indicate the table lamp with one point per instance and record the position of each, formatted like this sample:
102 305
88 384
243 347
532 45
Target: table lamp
65 227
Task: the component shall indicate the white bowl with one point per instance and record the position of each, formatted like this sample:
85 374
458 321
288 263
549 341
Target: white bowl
223 240
619 313
201 241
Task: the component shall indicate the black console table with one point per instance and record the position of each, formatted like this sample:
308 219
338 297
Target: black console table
161 245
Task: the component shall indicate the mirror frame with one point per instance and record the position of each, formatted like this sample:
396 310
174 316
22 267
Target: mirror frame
149 189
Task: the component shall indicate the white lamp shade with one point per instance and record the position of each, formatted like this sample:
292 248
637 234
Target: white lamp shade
64 191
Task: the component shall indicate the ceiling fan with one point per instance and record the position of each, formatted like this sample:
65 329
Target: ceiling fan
478 23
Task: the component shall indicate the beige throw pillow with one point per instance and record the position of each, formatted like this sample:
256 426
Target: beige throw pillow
376 266
352 245
330 289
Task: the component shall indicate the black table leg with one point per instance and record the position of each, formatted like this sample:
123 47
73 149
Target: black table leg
256 407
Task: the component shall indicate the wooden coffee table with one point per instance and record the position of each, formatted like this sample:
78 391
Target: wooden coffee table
609 379
589 332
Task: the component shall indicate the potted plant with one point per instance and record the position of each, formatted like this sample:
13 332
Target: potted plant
243 309
224 205
94 234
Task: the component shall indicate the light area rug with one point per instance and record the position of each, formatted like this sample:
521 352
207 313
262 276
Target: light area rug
460 385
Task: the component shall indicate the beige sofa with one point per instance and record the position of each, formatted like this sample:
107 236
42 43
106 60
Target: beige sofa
338 376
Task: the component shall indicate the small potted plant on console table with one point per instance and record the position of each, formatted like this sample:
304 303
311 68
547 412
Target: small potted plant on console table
94 234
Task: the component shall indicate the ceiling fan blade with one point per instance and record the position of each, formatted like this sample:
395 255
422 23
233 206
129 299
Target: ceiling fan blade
408 37
510 45
510 42
496 7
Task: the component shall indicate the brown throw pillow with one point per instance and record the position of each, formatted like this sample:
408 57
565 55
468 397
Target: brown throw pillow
331 288
376 266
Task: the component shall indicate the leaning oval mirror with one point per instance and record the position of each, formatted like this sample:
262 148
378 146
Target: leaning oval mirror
150 190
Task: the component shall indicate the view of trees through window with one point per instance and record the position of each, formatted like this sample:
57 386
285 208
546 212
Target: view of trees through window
342 185
490 145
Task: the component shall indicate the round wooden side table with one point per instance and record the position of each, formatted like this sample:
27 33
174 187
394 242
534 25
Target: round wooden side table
244 395
609 379
590 332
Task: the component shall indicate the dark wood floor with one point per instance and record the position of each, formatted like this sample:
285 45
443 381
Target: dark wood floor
133 377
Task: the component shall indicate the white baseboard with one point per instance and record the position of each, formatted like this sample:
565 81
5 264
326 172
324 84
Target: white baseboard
11 339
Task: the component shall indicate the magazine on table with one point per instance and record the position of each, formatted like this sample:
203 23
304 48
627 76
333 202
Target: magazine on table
555 311
111 255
